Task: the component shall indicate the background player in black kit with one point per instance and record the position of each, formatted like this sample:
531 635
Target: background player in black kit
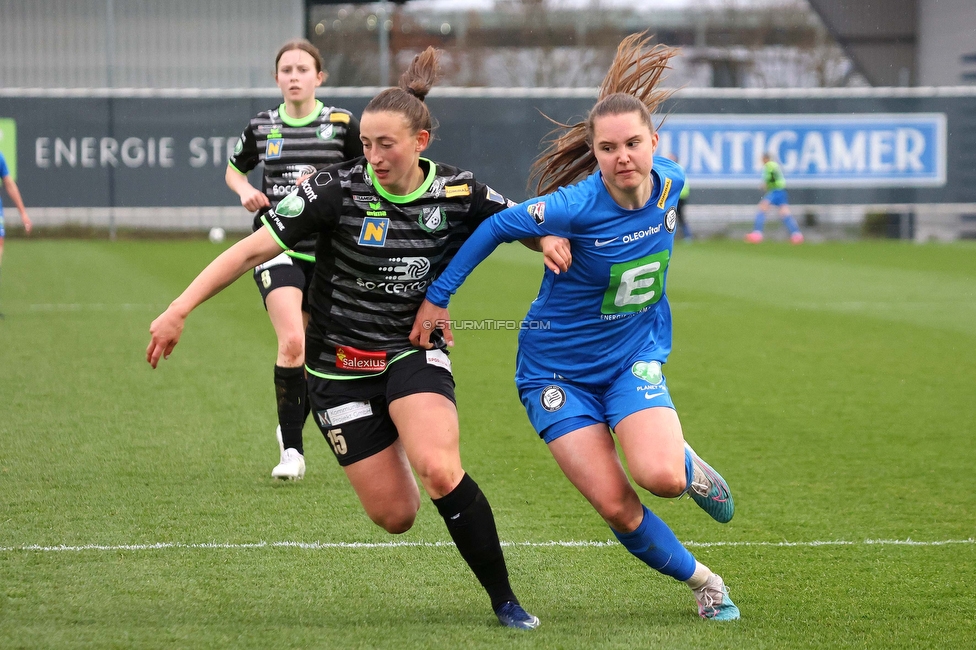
293 140
387 224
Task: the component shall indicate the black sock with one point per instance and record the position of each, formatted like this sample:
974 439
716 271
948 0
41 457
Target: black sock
292 400
472 527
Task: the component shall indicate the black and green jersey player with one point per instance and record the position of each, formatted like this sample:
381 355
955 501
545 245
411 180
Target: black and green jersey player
386 224
377 254
292 141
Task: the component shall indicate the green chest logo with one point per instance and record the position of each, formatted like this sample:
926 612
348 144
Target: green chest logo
635 285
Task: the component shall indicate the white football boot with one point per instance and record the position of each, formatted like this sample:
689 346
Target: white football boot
291 464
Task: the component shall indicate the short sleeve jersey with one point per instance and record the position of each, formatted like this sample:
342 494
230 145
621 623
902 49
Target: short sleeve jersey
291 148
773 176
610 309
375 256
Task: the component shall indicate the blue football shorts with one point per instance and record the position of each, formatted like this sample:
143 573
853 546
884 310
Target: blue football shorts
557 406
776 197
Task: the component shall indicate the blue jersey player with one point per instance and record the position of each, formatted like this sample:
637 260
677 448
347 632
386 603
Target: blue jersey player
594 341
11 186
774 184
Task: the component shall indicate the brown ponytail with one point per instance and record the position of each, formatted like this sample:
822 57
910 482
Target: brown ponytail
629 86
407 98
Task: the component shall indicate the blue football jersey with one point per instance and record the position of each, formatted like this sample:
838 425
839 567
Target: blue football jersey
4 172
610 308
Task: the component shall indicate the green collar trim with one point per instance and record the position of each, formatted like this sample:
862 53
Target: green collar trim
303 121
413 196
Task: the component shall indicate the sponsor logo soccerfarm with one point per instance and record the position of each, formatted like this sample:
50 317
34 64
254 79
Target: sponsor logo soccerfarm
282 190
407 268
393 287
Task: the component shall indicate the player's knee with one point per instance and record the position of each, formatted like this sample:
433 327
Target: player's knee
291 349
622 511
666 482
621 516
438 478
396 521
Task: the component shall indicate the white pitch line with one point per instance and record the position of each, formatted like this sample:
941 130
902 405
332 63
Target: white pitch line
370 545
93 306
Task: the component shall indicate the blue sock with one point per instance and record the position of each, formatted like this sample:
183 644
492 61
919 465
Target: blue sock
791 224
689 467
656 546
760 221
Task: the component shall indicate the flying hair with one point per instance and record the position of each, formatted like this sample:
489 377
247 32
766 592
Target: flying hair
630 86
407 97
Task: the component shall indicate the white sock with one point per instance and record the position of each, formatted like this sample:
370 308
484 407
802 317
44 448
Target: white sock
699 577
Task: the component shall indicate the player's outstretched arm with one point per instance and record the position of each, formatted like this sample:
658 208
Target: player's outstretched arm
165 331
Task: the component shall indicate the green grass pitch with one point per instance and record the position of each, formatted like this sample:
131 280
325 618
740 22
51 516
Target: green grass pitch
833 385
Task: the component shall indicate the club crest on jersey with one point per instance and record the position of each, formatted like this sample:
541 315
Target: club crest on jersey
432 219
553 398
538 212
290 206
325 132
373 232
671 218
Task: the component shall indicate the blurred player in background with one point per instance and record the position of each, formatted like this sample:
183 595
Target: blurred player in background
293 140
596 366
386 224
14 192
774 184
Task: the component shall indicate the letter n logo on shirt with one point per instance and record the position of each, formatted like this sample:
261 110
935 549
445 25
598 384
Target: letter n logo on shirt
274 148
373 232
